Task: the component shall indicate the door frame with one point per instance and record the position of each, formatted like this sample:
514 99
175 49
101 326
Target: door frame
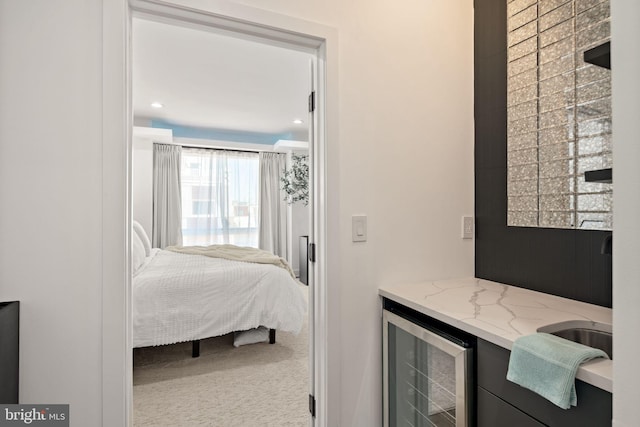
117 119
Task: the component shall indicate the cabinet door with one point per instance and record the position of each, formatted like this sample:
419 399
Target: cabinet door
594 405
495 412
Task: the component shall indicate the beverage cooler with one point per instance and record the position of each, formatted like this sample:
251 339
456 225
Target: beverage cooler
427 371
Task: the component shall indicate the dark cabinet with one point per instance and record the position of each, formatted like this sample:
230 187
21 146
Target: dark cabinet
594 405
495 412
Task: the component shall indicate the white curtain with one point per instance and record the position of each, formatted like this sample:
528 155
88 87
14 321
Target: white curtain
220 197
167 202
273 207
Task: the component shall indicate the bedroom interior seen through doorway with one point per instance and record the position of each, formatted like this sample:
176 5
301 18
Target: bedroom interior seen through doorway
197 88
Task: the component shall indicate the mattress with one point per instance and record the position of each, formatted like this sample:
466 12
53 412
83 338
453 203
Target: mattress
179 297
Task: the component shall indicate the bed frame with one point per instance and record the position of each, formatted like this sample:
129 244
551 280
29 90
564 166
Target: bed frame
195 344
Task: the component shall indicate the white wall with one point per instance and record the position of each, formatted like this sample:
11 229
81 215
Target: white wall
299 227
403 155
51 197
299 221
625 34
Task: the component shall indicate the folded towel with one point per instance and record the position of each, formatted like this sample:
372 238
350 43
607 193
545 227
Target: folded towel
547 365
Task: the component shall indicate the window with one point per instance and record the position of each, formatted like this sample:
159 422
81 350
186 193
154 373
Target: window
219 197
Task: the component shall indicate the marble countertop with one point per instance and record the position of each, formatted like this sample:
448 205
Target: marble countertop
501 313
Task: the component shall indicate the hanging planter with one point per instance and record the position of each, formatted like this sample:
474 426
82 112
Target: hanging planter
295 181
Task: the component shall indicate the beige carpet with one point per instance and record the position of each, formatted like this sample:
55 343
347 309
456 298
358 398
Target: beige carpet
253 385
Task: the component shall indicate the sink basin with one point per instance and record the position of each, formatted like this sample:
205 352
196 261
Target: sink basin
592 334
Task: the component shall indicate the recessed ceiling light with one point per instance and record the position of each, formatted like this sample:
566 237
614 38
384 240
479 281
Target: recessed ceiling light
298 121
157 105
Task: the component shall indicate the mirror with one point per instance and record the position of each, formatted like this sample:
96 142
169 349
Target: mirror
559 114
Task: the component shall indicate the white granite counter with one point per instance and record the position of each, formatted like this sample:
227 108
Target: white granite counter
501 313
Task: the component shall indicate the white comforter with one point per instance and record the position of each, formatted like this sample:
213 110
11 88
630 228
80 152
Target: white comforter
178 297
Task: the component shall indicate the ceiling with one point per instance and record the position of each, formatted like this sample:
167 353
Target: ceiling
211 81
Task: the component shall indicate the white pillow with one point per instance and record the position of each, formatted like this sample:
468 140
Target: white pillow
139 229
137 252
252 336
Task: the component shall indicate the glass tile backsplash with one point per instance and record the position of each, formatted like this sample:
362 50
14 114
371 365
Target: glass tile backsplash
558 114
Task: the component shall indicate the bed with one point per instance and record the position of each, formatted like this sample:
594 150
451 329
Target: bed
178 297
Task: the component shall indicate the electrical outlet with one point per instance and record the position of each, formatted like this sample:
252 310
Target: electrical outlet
467 227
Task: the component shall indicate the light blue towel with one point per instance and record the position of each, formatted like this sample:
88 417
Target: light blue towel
547 365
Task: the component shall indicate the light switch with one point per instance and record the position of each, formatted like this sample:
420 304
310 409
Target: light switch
359 228
467 227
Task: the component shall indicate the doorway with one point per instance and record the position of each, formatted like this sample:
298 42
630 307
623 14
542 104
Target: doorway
315 160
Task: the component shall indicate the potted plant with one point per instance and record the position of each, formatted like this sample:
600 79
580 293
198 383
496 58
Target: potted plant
295 181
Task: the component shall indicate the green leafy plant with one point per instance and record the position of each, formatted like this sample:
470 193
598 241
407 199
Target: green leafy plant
295 181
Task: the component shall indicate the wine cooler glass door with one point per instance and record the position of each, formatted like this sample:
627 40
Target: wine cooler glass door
425 377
